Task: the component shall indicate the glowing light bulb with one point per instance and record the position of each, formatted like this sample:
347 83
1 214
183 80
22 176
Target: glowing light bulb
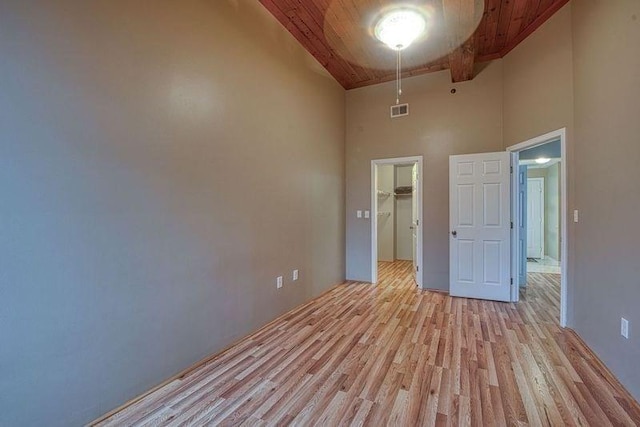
400 28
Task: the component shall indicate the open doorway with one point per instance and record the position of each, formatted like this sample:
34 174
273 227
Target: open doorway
539 232
396 200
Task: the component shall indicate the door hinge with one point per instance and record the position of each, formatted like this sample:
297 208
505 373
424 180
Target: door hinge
512 281
511 169
512 225
417 222
417 268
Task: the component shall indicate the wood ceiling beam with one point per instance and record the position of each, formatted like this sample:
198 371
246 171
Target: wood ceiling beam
459 18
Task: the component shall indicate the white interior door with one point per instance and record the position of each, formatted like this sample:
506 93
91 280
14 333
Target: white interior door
535 218
415 223
480 238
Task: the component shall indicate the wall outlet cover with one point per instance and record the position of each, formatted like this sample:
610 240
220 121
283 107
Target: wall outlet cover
279 282
295 275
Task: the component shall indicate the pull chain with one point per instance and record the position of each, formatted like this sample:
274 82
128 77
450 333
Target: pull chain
398 76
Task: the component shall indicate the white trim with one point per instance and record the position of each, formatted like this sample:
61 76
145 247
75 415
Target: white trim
515 244
374 213
564 244
543 205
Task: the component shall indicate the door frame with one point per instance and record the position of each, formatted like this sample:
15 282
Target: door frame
560 134
543 206
397 161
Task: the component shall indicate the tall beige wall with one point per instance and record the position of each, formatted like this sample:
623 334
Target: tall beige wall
606 37
160 164
440 124
538 81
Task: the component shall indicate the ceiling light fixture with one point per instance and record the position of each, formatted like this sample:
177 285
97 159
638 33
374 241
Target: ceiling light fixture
398 29
542 160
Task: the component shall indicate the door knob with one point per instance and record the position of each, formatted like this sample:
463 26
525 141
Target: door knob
454 233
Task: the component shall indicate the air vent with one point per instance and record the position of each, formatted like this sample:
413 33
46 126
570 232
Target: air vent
399 110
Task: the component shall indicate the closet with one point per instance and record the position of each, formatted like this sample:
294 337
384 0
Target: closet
394 212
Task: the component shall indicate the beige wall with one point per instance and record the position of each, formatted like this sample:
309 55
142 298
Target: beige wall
440 124
538 81
160 165
606 36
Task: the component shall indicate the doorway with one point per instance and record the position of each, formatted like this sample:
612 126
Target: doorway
539 210
396 214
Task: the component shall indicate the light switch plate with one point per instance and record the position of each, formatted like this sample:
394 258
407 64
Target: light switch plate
295 275
279 282
575 215
358 214
366 214
624 327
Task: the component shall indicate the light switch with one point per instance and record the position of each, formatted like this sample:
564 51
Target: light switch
575 215
366 214
624 327
359 214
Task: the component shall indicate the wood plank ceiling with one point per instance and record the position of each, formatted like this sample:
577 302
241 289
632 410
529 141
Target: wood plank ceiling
461 33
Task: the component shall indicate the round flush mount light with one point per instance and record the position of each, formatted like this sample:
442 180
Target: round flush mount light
542 160
399 28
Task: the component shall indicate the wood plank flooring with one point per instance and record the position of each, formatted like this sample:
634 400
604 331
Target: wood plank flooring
394 355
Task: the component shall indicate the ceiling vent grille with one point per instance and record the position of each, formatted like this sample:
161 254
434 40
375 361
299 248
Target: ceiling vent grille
399 110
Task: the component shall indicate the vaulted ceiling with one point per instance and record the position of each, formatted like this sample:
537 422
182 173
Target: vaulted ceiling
461 33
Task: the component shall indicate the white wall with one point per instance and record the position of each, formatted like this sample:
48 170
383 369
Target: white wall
386 217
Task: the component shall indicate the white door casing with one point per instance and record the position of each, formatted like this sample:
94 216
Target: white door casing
418 161
559 134
535 218
415 222
521 215
480 234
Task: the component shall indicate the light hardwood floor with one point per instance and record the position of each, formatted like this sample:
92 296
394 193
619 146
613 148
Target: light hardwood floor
394 355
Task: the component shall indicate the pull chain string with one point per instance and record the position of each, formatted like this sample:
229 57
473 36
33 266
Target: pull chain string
398 76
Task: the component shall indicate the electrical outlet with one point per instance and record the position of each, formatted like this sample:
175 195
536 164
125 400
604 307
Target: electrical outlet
279 282
624 327
295 275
